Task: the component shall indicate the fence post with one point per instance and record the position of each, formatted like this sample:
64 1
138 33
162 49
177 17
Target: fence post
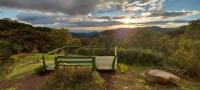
56 63
92 49
66 51
93 64
115 51
43 62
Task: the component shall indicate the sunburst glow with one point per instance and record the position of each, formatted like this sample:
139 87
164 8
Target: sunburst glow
127 20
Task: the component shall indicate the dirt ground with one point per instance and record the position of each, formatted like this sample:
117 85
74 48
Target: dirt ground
119 81
31 82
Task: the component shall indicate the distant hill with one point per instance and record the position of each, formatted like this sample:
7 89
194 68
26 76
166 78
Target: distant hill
10 25
85 34
120 32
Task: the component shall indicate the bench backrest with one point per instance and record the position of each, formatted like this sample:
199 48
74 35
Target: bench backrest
75 61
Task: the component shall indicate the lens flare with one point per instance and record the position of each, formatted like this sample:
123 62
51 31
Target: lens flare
127 20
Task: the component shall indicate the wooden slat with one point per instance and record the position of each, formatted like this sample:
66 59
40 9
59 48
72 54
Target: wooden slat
78 59
75 61
75 64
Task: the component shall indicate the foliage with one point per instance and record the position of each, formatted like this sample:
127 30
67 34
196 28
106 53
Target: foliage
5 51
96 51
192 30
177 53
188 52
140 56
122 67
59 38
18 38
71 78
147 39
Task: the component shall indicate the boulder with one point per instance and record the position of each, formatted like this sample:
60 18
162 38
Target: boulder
161 77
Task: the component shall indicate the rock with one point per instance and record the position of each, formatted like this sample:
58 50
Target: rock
161 77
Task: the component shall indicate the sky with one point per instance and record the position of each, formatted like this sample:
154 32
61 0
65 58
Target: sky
101 14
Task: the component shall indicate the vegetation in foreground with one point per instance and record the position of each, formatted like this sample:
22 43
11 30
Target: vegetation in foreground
127 77
74 78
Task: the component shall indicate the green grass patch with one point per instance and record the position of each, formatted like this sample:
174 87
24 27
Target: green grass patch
21 70
26 64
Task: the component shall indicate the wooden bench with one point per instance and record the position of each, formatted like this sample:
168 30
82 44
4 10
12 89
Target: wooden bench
97 62
75 61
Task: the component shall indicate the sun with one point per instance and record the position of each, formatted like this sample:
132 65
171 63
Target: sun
127 20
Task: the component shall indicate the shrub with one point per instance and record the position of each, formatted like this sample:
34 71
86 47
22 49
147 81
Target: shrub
122 68
139 56
96 51
5 51
74 78
188 52
175 66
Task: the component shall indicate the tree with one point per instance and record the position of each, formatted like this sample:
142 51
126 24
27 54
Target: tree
59 38
193 30
147 39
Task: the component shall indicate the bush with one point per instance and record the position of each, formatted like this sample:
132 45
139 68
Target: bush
122 68
74 78
5 51
188 53
96 51
138 56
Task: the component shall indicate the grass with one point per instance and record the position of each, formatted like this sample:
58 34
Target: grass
26 65
22 70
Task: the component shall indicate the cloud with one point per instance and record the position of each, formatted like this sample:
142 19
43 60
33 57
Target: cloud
94 13
84 7
142 5
105 17
41 18
165 22
96 23
72 7
168 14
56 20
119 17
